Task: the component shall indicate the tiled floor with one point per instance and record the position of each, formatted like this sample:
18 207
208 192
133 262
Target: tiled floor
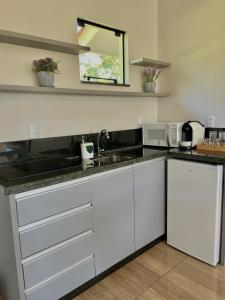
161 273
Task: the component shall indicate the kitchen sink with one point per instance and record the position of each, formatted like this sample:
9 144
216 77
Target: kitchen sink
113 158
106 158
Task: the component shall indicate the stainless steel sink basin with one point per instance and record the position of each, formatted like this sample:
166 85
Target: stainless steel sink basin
105 158
113 158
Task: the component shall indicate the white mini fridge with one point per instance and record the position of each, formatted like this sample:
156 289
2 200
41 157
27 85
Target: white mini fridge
194 208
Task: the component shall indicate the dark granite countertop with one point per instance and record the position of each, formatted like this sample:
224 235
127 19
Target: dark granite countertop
77 169
138 153
195 155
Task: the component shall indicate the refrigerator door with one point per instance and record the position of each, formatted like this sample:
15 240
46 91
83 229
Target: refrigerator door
194 208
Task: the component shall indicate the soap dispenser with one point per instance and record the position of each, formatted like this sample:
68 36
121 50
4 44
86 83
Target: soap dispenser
87 150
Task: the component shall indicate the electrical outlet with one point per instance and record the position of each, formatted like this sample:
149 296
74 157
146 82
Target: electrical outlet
33 131
211 121
140 122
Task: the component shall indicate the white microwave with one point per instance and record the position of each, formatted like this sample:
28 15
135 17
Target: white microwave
162 134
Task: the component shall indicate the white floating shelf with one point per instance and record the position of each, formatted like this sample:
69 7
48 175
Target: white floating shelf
10 37
81 92
146 62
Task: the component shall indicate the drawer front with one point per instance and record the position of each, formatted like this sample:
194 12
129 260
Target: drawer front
46 204
43 235
58 259
64 282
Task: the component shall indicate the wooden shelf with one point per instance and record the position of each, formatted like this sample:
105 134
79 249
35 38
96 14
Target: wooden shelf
10 37
81 92
146 62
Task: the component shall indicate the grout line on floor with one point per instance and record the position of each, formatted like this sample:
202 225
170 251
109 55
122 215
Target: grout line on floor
160 277
170 270
152 287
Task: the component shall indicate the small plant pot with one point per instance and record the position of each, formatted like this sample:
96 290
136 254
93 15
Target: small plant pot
150 87
45 78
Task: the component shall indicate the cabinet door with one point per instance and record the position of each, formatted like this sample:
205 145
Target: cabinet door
113 211
149 201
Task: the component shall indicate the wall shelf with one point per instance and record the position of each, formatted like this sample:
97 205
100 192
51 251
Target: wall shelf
81 92
146 62
10 37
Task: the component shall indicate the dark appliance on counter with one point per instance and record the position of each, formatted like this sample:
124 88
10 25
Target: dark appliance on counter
193 132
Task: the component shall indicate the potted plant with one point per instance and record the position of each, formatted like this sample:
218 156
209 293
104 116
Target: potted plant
45 70
150 77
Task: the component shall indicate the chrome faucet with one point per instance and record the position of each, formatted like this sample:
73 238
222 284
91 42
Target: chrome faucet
106 134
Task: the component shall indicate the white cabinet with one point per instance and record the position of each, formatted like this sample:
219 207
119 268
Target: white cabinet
62 283
52 231
54 228
149 200
56 259
194 208
113 212
46 202
67 233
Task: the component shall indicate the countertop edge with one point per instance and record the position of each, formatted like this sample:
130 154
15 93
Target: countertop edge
72 175
197 157
24 187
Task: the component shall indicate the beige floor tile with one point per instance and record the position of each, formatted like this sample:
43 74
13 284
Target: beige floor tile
161 259
94 293
190 283
138 274
128 282
176 288
204 275
170 249
218 271
151 294
161 273
116 289
122 284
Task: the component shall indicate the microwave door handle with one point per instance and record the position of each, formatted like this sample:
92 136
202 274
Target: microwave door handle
167 137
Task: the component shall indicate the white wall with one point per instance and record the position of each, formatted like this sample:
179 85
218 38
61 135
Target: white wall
191 36
65 115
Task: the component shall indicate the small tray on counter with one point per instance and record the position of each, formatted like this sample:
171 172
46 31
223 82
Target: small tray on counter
211 148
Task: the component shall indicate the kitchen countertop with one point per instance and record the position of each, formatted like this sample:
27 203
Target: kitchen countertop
139 154
196 155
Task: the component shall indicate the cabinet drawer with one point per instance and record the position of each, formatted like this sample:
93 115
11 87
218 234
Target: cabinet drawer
57 259
36 205
46 233
64 282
